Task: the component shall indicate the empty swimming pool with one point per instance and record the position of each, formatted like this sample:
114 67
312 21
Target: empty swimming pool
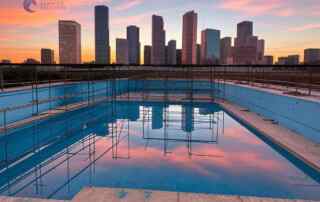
190 147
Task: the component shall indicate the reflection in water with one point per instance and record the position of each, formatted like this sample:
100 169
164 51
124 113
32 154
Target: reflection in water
187 148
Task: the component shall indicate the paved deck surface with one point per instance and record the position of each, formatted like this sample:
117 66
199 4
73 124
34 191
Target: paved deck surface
134 195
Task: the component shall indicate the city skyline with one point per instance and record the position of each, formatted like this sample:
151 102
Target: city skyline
123 14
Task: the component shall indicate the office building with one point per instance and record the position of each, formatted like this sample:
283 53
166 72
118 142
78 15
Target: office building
172 52
122 56
189 38
158 51
133 37
47 56
226 50
210 46
267 60
179 56
293 60
69 42
147 55
102 43
312 56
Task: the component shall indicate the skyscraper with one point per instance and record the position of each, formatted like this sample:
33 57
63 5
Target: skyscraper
260 50
246 45
147 55
69 42
312 56
189 38
133 38
122 56
102 44
158 52
226 51
172 52
198 54
47 56
179 56
244 30
210 46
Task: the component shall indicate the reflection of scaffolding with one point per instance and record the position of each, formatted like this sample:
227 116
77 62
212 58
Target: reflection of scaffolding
45 99
214 123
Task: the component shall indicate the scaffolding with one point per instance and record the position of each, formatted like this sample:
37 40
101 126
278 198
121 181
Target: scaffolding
69 89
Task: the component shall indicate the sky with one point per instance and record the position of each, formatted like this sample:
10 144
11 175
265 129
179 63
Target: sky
288 26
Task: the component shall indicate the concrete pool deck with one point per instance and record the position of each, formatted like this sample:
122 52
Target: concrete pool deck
139 195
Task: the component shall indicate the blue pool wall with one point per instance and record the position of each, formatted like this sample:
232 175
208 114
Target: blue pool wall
299 115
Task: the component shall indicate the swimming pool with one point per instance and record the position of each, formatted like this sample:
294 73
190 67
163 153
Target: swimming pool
191 147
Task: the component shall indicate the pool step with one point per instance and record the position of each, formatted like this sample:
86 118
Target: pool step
138 195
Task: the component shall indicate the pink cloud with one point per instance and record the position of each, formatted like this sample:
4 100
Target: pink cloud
304 27
258 7
126 5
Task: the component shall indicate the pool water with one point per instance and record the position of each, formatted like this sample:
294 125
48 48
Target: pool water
194 147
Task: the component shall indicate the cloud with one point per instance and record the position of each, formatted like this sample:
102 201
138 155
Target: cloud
126 5
305 27
258 7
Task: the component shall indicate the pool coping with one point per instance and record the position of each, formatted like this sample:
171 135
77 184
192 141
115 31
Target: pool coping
140 195
294 143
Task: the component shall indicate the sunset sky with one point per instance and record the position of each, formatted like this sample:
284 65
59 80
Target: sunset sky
288 26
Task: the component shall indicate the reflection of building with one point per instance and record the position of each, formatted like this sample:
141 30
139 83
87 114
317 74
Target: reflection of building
133 37
158 51
312 56
157 117
210 46
47 56
122 51
102 43
189 38
187 118
147 55
69 42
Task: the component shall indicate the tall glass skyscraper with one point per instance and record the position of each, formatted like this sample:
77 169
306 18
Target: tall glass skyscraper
158 55
133 37
210 46
102 44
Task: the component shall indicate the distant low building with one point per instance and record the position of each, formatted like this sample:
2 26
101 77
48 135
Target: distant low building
312 56
47 56
147 55
179 56
267 60
282 61
122 56
31 61
5 61
293 60
226 50
171 53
